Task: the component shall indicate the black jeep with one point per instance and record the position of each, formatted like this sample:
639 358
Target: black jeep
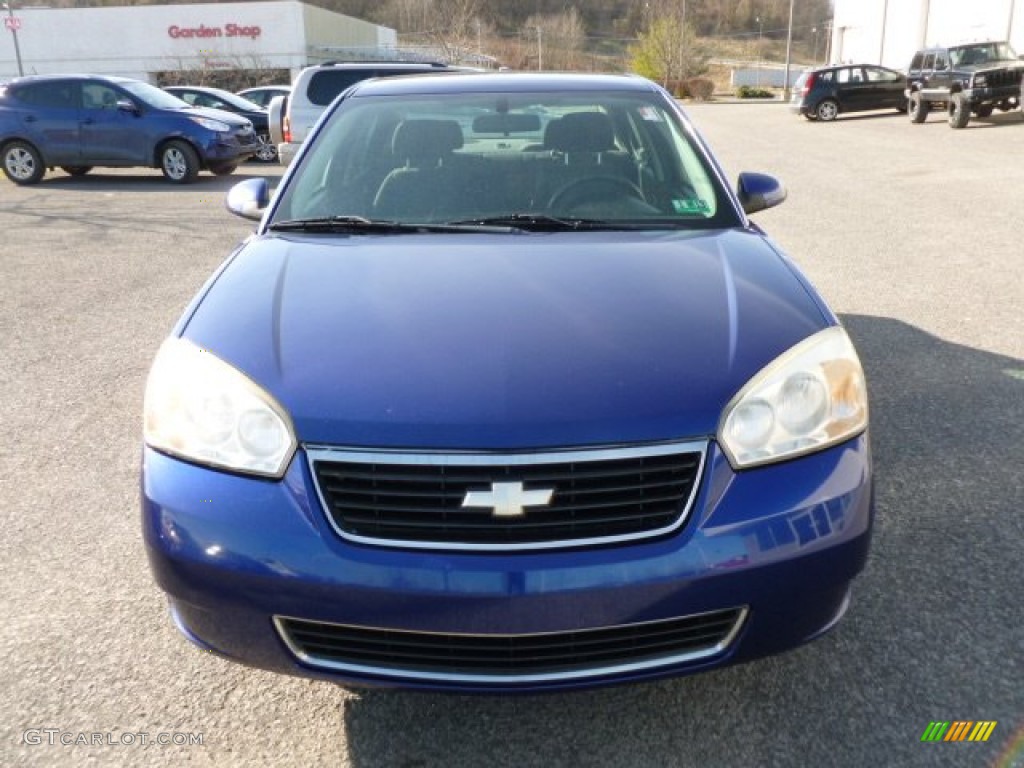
974 77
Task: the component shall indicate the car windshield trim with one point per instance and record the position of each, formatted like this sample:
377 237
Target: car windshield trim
362 225
540 222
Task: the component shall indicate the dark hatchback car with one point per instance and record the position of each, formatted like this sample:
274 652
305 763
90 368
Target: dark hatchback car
824 94
215 98
78 122
506 393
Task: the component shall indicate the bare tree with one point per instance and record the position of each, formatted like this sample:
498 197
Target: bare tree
563 36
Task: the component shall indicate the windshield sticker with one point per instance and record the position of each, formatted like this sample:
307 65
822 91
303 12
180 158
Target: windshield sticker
690 205
650 114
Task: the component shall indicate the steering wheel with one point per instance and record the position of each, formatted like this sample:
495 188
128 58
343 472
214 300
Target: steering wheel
591 189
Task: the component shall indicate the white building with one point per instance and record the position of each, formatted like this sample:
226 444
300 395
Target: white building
889 31
139 41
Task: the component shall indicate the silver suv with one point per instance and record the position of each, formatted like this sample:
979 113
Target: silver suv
292 117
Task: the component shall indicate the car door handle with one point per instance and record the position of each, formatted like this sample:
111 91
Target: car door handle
30 119
88 121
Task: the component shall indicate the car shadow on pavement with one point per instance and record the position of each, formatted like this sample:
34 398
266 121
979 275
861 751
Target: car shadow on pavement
932 632
109 180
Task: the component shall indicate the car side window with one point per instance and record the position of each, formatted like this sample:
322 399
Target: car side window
826 78
917 61
325 85
187 97
98 96
214 103
844 76
875 75
940 62
62 95
929 61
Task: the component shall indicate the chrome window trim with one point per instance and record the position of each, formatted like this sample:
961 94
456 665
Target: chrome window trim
396 673
482 459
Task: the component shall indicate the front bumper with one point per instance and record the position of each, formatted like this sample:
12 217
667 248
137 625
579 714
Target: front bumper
985 95
238 556
227 148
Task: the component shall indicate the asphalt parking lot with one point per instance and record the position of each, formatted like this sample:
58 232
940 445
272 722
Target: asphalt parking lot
914 235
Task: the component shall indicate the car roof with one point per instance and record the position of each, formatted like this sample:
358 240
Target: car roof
74 76
512 82
197 88
851 64
382 62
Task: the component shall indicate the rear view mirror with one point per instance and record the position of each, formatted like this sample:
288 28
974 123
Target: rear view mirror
125 105
505 123
758 191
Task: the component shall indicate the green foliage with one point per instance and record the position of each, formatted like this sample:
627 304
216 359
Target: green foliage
752 92
668 52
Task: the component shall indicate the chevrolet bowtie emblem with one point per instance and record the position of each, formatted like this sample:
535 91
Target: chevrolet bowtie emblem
508 499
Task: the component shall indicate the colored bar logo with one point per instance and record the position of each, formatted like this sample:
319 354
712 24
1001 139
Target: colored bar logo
959 730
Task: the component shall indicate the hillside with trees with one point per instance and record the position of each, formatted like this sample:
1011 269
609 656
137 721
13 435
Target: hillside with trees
669 40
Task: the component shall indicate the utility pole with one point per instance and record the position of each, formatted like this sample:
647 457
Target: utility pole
760 27
540 48
13 24
885 23
789 51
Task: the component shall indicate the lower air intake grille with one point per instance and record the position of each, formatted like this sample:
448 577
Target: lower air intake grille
510 658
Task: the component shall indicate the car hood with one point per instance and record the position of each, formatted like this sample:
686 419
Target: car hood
231 118
992 65
504 341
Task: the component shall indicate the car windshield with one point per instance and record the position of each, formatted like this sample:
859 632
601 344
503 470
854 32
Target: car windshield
518 160
239 102
153 96
981 53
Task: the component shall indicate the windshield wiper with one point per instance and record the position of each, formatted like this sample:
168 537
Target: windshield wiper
540 222
359 225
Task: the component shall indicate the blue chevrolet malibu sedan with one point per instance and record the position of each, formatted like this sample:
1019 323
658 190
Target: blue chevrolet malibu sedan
505 394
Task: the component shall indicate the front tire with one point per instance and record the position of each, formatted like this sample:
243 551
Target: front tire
179 162
959 111
76 170
917 108
22 163
827 111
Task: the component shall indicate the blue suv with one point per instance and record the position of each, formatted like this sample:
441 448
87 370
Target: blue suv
77 122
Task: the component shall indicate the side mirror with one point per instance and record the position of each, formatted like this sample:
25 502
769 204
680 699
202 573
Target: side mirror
249 199
758 191
124 105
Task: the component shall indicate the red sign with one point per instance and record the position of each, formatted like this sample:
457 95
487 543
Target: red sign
231 30
13 23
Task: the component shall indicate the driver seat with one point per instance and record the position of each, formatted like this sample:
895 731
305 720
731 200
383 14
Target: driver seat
582 145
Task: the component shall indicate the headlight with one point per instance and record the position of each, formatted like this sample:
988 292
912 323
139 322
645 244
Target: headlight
200 408
211 125
807 399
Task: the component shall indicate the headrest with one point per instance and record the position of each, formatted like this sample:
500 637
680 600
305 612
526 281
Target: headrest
580 132
426 140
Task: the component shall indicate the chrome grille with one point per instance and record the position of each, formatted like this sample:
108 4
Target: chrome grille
598 496
510 658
